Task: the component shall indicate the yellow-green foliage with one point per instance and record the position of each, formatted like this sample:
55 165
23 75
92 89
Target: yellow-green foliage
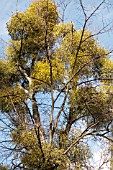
90 102
32 156
10 97
30 27
88 51
42 74
61 30
53 57
6 68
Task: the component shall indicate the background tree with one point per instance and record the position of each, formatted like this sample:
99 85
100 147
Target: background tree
55 90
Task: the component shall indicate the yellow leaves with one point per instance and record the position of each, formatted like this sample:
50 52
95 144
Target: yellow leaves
107 72
33 21
108 65
12 51
42 72
6 67
62 30
10 97
72 50
16 25
101 51
28 30
27 139
45 9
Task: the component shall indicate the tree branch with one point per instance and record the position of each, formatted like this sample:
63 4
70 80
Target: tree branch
81 136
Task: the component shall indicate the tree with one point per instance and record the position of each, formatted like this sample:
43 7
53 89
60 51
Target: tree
55 80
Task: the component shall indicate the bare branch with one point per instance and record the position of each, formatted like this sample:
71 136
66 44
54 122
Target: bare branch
83 134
